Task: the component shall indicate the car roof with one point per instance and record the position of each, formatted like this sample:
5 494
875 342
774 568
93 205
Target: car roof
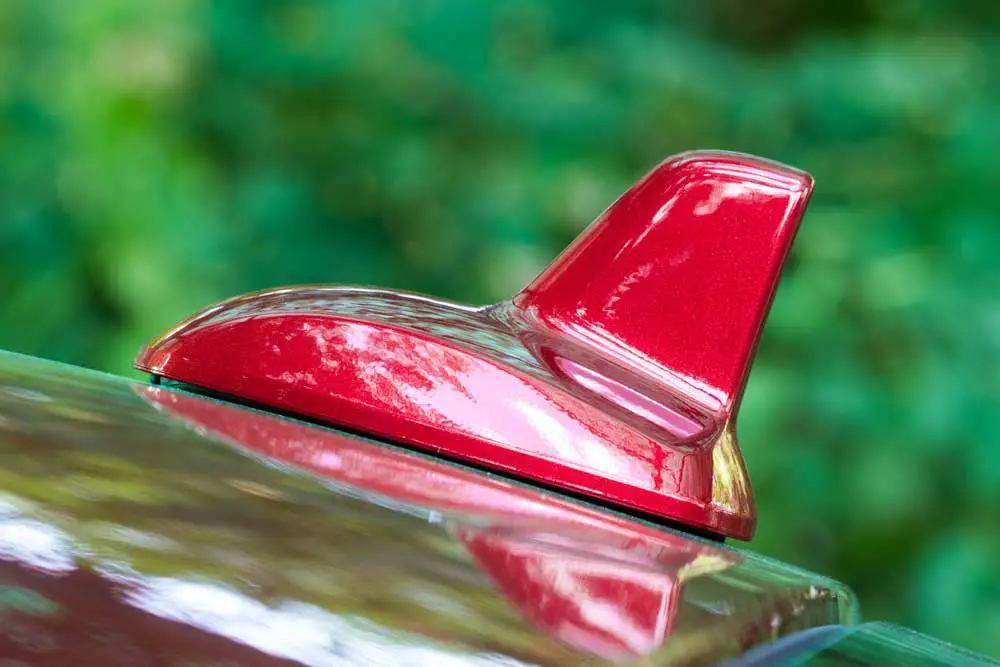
143 525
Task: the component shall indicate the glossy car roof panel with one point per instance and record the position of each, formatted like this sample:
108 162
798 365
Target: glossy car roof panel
142 525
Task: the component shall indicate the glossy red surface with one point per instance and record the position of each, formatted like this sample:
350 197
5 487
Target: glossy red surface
676 277
616 609
616 373
605 585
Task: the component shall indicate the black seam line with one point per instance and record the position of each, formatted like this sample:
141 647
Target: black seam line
581 498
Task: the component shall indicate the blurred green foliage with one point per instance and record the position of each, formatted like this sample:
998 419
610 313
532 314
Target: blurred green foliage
158 156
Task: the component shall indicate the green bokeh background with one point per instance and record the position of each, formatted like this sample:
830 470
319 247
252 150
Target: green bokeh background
157 156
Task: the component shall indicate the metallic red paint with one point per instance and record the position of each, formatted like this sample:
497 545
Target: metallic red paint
617 373
676 277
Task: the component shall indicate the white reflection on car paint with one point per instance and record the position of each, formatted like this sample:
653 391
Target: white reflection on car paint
34 543
295 631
